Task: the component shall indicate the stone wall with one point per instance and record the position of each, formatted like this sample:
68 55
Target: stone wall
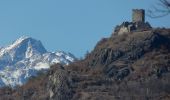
138 15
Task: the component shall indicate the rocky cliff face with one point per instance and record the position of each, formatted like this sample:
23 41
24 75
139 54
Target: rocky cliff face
133 66
125 67
59 85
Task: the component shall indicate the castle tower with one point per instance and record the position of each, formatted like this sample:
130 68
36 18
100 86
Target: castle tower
138 15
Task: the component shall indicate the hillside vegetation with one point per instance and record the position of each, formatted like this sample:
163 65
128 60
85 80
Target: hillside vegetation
133 66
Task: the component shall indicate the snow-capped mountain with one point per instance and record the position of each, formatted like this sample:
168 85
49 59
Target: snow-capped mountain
24 58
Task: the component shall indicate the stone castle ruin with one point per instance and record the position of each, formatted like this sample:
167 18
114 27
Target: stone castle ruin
138 23
138 15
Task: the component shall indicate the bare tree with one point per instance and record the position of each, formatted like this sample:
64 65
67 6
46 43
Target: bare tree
161 9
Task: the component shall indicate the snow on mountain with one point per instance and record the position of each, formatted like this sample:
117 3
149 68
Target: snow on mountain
24 58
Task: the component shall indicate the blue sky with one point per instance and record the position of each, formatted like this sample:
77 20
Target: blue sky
71 25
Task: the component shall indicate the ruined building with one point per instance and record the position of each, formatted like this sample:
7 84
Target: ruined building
138 23
138 15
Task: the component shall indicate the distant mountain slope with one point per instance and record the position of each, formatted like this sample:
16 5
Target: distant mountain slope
24 58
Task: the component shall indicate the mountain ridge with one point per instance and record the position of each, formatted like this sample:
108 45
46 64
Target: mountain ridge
24 58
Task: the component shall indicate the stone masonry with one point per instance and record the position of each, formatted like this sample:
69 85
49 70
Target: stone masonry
138 15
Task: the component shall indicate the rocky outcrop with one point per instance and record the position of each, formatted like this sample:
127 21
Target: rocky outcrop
119 55
59 85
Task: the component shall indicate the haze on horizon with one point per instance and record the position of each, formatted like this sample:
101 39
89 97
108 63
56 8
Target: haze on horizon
73 26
